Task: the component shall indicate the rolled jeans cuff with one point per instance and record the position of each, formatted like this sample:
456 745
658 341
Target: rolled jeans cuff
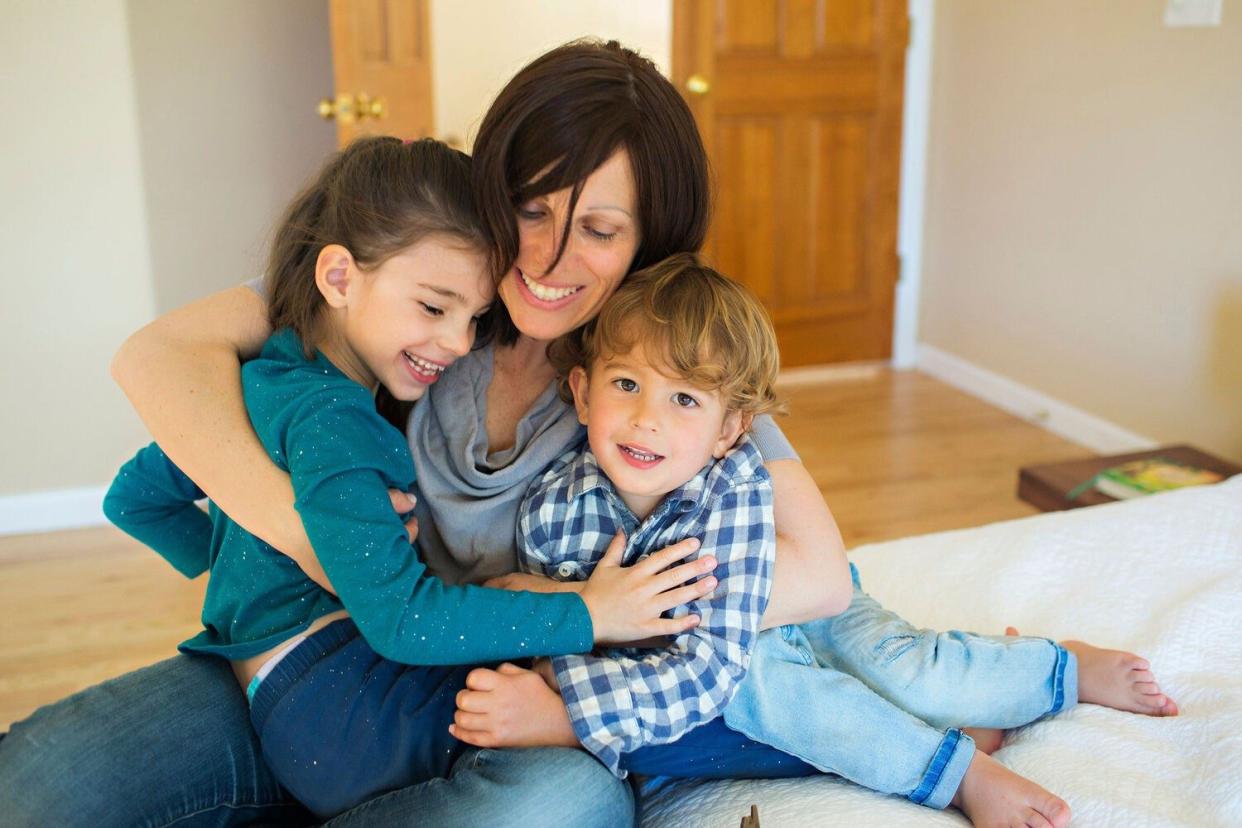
1064 681
945 773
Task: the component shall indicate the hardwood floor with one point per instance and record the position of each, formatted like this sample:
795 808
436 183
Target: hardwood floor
895 453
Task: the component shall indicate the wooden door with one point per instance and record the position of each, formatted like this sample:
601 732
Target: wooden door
381 59
799 103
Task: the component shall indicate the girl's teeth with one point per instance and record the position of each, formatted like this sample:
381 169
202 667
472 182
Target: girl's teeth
547 294
423 365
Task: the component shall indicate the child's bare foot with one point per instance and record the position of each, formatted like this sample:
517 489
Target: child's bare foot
993 796
1118 679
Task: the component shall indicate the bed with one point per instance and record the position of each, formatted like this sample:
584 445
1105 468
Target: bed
1161 576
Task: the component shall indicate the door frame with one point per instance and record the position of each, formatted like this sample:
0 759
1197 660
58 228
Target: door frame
912 193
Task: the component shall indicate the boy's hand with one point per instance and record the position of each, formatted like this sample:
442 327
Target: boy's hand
511 707
527 582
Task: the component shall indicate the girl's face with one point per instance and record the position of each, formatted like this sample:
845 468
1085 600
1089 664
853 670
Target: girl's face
402 323
602 242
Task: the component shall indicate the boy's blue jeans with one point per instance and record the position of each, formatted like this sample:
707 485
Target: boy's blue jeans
869 697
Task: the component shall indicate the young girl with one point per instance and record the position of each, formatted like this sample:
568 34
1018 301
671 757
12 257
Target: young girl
378 277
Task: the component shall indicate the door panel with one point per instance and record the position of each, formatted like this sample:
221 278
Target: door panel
381 51
802 122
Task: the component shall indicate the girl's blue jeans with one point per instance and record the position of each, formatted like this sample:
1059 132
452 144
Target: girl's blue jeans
869 697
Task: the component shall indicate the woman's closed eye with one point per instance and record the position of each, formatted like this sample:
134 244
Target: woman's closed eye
432 310
597 233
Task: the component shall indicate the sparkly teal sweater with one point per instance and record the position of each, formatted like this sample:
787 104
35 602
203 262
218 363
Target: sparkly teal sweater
342 456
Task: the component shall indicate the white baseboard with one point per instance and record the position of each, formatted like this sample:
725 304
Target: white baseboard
52 511
1034 406
820 374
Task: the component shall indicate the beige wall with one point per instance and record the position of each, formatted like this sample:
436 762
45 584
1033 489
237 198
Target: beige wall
73 230
477 45
1083 228
150 148
226 95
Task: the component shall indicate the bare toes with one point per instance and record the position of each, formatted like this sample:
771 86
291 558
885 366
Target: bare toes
1141 676
1033 819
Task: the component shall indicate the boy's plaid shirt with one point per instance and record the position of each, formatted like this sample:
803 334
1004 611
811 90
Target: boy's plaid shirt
621 699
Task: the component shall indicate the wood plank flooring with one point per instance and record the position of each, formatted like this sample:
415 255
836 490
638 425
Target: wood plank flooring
895 453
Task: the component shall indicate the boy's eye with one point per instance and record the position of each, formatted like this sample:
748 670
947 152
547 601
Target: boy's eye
625 384
685 400
432 310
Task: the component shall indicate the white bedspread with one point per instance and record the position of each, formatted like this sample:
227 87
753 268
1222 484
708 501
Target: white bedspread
1161 576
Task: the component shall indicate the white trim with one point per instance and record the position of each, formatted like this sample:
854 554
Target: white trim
916 107
836 372
52 511
1031 405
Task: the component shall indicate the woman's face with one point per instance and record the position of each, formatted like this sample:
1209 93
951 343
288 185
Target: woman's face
603 239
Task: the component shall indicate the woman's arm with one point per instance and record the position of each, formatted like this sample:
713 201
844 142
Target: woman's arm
182 373
812 578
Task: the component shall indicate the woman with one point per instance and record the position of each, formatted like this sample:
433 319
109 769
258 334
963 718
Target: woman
603 163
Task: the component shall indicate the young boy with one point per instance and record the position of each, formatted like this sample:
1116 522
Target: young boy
667 380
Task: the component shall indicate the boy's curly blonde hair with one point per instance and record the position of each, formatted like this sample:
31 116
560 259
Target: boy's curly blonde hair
709 330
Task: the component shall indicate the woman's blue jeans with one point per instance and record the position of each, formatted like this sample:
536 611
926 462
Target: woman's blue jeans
172 745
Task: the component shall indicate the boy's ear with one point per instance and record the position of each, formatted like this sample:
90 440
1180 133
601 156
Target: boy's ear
735 424
578 384
333 270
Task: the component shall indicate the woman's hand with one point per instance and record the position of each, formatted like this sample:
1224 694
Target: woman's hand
511 707
627 602
529 582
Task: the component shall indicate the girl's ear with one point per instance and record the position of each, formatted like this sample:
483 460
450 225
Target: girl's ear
735 424
578 384
333 270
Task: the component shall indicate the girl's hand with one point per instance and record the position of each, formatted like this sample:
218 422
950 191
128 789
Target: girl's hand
626 602
528 582
511 707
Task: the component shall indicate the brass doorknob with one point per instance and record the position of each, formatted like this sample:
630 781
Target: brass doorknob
698 85
348 108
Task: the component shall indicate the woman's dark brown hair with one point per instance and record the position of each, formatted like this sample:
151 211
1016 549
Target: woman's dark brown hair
375 198
564 115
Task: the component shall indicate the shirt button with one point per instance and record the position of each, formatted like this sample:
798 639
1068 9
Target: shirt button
566 569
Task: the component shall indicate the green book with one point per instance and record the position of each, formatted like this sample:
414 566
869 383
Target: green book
1143 477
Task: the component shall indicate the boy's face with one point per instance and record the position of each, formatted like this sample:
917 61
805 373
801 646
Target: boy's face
650 432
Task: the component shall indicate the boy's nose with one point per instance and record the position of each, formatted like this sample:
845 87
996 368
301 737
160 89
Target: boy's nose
643 418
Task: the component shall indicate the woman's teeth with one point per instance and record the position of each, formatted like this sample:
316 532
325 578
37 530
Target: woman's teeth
547 294
423 365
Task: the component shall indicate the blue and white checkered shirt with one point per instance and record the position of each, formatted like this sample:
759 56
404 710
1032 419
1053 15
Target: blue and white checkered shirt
621 699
